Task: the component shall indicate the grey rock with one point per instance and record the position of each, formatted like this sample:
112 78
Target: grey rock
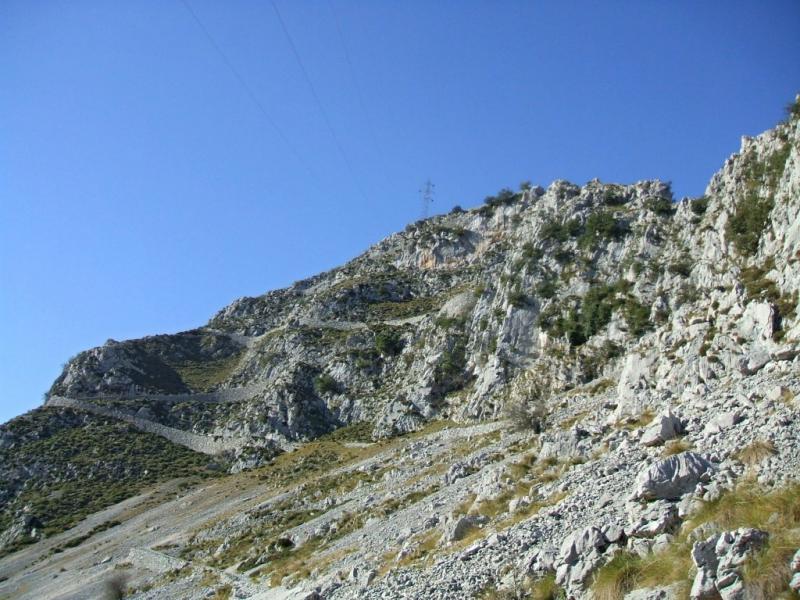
666 426
672 477
795 564
653 519
719 560
456 528
794 583
581 553
722 422
754 362
655 593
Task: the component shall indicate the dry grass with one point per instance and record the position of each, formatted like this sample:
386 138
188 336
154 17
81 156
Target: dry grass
528 511
222 593
676 447
570 421
766 575
753 454
601 386
777 513
642 420
464 506
546 588
626 572
425 544
525 587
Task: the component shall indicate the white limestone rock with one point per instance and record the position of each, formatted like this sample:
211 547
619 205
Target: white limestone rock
672 477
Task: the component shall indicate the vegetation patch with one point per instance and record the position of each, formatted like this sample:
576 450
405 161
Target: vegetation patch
600 226
751 215
766 575
698 206
208 375
85 463
588 315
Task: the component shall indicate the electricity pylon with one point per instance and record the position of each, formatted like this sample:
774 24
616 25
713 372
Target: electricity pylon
426 196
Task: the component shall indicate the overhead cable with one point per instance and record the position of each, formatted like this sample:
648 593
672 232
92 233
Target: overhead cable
250 93
317 99
357 87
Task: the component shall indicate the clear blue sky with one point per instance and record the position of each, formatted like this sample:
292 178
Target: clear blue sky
142 188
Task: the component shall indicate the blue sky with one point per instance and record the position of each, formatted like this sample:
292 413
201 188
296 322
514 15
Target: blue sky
143 185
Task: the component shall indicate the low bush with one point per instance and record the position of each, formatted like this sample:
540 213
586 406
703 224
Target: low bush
699 206
602 225
388 342
747 223
517 299
661 206
527 415
324 384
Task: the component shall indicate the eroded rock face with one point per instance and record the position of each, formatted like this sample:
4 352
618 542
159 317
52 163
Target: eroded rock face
672 477
581 553
719 560
463 314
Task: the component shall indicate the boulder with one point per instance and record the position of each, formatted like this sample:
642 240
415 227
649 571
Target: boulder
722 422
672 477
754 362
654 519
666 426
581 553
456 528
778 393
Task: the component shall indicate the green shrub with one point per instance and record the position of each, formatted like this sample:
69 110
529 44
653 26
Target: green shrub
503 197
751 215
682 267
517 299
602 225
531 253
661 206
793 110
590 314
637 316
546 288
388 342
699 206
554 231
613 197
748 221
324 383
449 372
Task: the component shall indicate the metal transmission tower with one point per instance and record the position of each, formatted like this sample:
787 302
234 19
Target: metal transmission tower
426 196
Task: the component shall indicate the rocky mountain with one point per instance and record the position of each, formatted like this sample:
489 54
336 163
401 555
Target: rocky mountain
566 392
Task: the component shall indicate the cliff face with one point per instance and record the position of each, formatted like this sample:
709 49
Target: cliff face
583 311
533 293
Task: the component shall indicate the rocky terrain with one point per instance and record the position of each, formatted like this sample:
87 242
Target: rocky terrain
570 392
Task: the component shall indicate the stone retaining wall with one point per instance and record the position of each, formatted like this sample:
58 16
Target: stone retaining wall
237 394
199 443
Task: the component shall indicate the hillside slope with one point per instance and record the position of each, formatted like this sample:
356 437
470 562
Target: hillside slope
584 311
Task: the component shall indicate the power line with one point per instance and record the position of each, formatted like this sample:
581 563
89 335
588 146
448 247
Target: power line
317 99
250 93
357 87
